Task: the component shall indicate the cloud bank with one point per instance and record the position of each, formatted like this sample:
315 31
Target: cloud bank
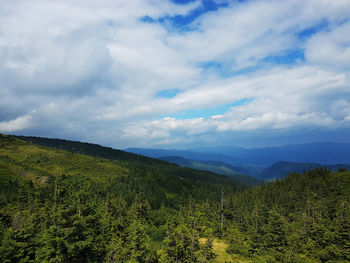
150 73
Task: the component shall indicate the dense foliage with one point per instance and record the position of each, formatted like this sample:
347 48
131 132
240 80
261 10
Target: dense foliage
303 218
63 206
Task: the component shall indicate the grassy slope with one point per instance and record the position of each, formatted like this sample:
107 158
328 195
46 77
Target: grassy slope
113 154
40 163
35 161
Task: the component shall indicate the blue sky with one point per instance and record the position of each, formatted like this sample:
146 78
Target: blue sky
208 112
176 74
182 22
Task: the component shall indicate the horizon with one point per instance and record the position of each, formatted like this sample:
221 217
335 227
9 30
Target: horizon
176 74
194 149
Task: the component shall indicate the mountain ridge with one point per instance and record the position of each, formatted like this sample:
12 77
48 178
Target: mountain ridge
281 169
319 152
240 174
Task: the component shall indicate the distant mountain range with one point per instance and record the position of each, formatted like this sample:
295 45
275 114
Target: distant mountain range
262 163
188 154
281 169
320 152
240 174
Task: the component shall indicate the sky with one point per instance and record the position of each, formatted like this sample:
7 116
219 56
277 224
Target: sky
176 74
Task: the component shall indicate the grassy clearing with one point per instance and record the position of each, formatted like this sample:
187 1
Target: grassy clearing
219 248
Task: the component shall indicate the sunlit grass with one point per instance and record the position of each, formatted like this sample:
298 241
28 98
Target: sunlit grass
219 248
33 161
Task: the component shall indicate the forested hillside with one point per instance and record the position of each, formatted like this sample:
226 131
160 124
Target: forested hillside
59 206
302 218
64 206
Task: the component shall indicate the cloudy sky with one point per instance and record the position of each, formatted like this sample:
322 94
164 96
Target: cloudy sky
176 74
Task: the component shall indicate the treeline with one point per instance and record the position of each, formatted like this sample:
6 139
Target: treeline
90 149
59 206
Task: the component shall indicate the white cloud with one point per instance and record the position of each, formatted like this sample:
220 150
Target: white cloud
330 48
247 32
91 70
283 98
17 124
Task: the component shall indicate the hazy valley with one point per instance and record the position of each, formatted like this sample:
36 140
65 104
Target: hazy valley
261 163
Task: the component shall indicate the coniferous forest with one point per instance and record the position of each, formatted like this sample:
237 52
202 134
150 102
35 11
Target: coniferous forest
63 201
